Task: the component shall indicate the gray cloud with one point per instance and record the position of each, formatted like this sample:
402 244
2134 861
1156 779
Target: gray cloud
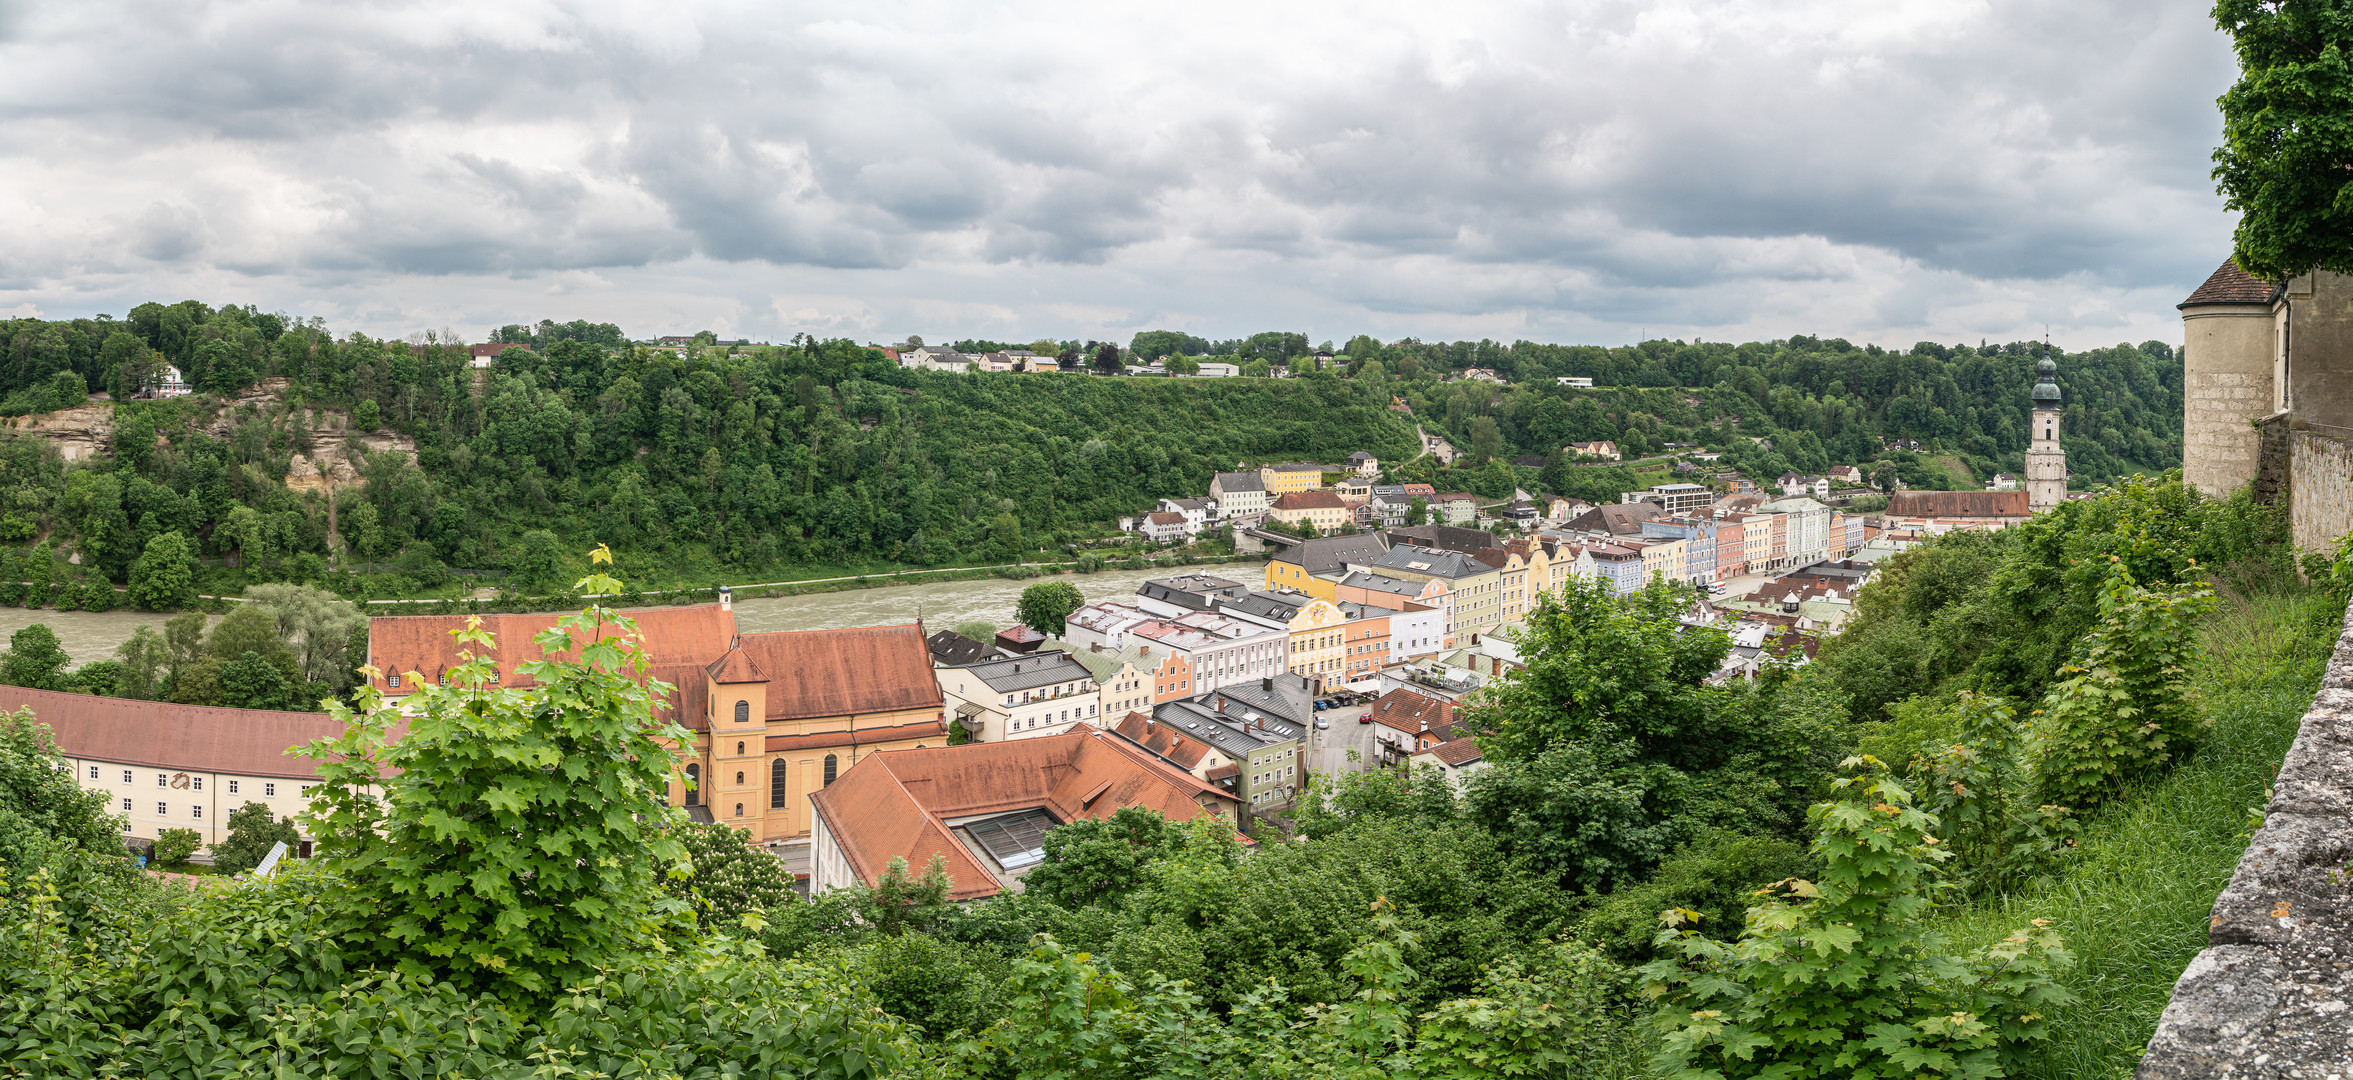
1727 167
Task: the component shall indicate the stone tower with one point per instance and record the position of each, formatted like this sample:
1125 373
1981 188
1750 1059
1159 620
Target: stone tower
2233 352
2046 462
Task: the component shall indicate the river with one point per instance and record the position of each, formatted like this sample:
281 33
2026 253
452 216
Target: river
93 635
944 604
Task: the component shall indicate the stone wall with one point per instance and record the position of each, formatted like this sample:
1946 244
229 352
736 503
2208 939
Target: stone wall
2272 994
2320 488
2227 353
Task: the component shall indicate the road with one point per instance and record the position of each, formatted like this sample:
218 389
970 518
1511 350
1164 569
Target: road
1327 752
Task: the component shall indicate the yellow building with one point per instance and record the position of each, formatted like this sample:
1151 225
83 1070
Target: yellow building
1324 510
1315 566
1281 479
1663 557
1319 641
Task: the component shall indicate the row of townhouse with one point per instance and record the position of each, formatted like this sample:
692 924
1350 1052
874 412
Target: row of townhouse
1713 545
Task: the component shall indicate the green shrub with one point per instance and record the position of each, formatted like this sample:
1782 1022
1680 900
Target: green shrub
1840 978
1713 879
173 846
253 831
2124 706
731 878
519 839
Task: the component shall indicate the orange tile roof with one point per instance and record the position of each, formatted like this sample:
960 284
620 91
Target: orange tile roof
1157 738
671 636
733 668
894 803
869 669
159 734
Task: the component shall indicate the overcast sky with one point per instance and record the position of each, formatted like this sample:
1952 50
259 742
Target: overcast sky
1882 170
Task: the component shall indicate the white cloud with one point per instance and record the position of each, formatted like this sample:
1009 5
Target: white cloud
1877 169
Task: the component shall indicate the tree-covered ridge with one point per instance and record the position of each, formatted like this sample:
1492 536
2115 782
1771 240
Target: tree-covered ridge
1820 402
712 460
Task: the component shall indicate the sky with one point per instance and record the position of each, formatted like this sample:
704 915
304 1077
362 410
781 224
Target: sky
1602 172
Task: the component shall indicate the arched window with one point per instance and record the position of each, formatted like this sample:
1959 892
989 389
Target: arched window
739 749
833 766
776 775
739 779
743 712
694 783
739 809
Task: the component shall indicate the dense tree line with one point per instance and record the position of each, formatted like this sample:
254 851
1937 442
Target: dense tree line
711 458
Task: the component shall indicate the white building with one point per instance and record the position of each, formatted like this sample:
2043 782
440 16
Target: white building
164 766
1021 697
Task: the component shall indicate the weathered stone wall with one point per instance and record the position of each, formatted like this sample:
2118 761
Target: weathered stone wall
2272 994
2320 488
2227 365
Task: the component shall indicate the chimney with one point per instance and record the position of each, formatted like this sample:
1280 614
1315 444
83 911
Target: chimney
1221 704
1267 684
726 598
1096 647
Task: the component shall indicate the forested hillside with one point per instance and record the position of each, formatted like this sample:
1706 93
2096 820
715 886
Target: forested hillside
766 461
1821 403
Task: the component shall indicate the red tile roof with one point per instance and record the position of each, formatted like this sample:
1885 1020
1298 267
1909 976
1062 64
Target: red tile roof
894 804
1958 504
1457 753
671 636
2231 285
1309 500
869 669
1157 738
734 667
1408 711
159 734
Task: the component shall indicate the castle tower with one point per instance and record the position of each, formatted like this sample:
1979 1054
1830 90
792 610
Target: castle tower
2233 352
2046 462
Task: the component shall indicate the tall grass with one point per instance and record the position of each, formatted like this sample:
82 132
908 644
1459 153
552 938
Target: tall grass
2134 902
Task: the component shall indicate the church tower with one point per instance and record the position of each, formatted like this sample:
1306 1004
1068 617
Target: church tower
2046 462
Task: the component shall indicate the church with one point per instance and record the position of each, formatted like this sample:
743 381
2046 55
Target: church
776 716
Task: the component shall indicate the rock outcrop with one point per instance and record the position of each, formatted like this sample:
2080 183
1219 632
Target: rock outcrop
87 430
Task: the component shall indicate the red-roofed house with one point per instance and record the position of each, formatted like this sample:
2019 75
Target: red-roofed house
983 808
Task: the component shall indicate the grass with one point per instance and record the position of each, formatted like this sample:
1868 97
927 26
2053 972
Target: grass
2133 905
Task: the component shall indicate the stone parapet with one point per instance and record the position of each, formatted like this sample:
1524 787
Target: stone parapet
2272 993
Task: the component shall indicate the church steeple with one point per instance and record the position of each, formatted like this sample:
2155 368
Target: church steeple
2046 460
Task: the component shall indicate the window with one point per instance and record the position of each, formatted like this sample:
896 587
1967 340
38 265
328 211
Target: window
126 805
305 791
162 810
694 783
196 812
162 780
232 787
126 776
739 753
196 783
269 790
776 784
494 676
393 680
739 809
833 764
739 783
743 714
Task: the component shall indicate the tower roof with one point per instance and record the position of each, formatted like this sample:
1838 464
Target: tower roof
2046 391
2231 285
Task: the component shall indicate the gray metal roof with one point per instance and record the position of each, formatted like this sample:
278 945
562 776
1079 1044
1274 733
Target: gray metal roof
1235 734
1018 673
1291 699
1326 554
1360 579
1239 481
1282 606
1431 561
